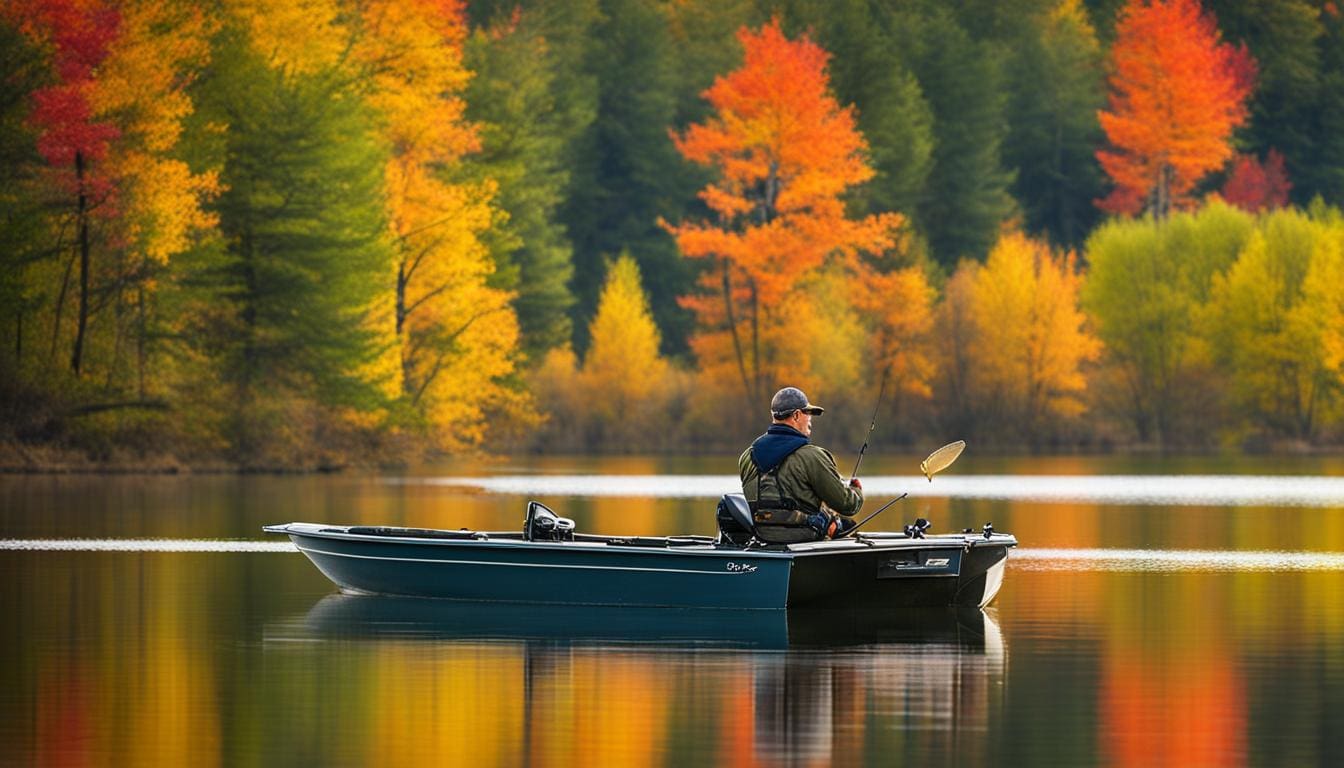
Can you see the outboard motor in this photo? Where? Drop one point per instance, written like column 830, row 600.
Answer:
column 541, row 524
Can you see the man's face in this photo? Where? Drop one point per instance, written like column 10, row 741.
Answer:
column 802, row 422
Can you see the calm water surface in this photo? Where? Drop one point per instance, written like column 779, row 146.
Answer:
column 1159, row 612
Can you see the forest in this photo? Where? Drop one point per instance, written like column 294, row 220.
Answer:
column 322, row 233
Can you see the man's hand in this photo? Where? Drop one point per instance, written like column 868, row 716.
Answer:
column 854, row 483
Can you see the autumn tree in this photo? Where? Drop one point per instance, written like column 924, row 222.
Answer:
column 1272, row 321
column 1146, row 287
column 457, row 334
column 1176, row 94
column 22, row 217
column 624, row 376
column 785, row 152
column 74, row 141
column 1030, row 339
column 161, row 212
column 1255, row 186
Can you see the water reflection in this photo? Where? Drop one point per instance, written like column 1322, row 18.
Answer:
column 340, row 616
column 620, row 686
column 153, row 625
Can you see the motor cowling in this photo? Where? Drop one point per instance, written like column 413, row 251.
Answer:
column 544, row 525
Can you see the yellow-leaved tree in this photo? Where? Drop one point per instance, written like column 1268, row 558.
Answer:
column 626, row 382
column 1273, row 324
column 144, row 84
column 457, row 336
column 1030, row 341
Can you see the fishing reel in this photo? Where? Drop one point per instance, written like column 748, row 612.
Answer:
column 541, row 524
column 916, row 529
column 987, row 531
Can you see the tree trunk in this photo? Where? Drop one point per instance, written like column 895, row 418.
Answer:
column 732, row 328
column 77, row 355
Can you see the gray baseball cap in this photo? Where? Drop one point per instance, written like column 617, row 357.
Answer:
column 790, row 399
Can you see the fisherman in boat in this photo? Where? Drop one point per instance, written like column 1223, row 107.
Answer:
column 791, row 483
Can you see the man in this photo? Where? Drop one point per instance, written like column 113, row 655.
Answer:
column 792, row 483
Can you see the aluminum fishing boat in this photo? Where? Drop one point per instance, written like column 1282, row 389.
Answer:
column 548, row 562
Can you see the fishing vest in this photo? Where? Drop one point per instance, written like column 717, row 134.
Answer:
column 779, row 517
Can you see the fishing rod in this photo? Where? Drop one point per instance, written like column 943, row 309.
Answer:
column 882, row 389
column 936, row 462
column 879, row 511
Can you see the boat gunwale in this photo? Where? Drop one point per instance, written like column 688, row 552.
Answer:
column 866, row 542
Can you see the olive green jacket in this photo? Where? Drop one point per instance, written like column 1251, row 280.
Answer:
column 808, row 475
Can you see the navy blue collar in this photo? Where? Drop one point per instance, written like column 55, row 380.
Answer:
column 777, row 444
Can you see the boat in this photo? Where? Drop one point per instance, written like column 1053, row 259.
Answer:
column 748, row 565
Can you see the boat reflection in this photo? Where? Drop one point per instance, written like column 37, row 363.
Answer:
column 821, row 687
column 408, row 618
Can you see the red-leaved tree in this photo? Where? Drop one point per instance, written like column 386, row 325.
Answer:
column 69, row 138
column 1254, row 186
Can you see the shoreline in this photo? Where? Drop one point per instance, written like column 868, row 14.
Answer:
column 18, row 460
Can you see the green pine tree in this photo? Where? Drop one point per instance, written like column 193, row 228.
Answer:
column 305, row 253
column 527, row 136
column 966, row 197
column 629, row 174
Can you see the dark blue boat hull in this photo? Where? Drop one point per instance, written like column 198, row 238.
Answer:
column 880, row 572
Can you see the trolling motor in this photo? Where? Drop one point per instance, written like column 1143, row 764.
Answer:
column 541, row 524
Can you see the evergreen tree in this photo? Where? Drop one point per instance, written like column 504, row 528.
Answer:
column 628, row 175
column 966, row 197
column 893, row 115
column 21, row 217
column 1285, row 37
column 531, row 106
column 305, row 253
column 1055, row 84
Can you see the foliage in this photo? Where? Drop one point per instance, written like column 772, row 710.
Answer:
column 306, row 257
column 785, row 152
column 527, row 135
column 966, row 198
column 1272, row 320
column 1029, row 342
column 1254, row 186
column 1144, row 291
column 456, row 334
column 625, row 379
column 1055, row 77
column 1288, row 40
column 626, row 175
column 1177, row 93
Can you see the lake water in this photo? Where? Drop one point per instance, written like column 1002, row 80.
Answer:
column 1159, row 612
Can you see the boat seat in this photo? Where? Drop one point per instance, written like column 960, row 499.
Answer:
column 734, row 518
column 738, row 527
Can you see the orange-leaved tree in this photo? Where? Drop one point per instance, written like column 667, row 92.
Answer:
column 1177, row 93
column 457, row 335
column 785, row 151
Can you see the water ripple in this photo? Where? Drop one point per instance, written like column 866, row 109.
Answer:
column 1166, row 490
column 1172, row 560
